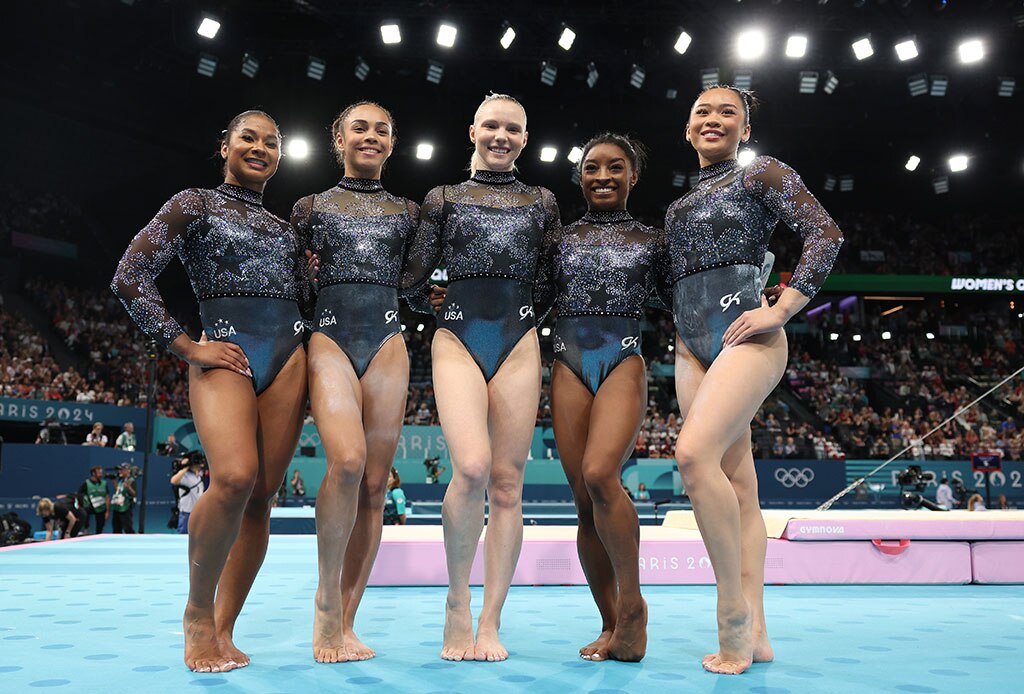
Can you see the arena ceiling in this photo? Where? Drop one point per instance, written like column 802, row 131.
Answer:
column 103, row 99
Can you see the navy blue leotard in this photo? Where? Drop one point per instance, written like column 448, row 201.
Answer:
column 245, row 267
column 488, row 232
column 606, row 268
column 362, row 234
column 718, row 236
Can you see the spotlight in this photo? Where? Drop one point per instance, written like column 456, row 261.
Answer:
column 709, row 77
column 808, row 82
column 419, row 327
column 886, row 335
column 403, row 327
column 671, row 93
column 548, row 74
column 636, row 76
column 671, row 347
column 957, row 162
column 207, row 65
column 830, row 183
column 971, row 51
column 750, row 44
column 545, row 331
column 939, row 85
column 362, row 69
column 508, row 37
column 297, row 148
column 575, row 155
column 930, row 336
column 1006, row 86
column 831, row 82
column 315, row 68
column 912, row 163
column 917, row 84
column 548, row 154
column 693, row 178
column 940, row 184
column 796, row 46
column 833, row 336
column 682, row 43
column 592, row 75
column 678, row 179
column 424, row 150
column 208, row 28
column 906, row 50
column 567, row 37
column 856, row 338
column 250, row 65
column 390, row 33
column 745, row 156
column 862, row 48
column 846, row 184
column 742, row 79
column 446, row 35
column 435, row 71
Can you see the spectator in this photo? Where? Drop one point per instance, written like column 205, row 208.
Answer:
column 96, row 437
column 976, row 503
column 95, row 495
column 298, row 486
column 394, row 500
column 123, row 500
column 126, row 439
column 641, row 493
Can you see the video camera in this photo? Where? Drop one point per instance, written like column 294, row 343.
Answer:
column 187, row 460
column 915, row 478
column 114, row 473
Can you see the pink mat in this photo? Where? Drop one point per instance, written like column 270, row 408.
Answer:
column 553, row 561
column 824, row 528
column 998, row 562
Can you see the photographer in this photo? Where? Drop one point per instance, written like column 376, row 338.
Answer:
column 58, row 515
column 123, row 500
column 95, row 495
column 434, row 470
column 188, row 483
column 126, row 439
column 52, row 432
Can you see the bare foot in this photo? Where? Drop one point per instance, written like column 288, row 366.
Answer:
column 598, row 645
column 228, row 648
column 458, row 632
column 202, row 653
column 488, row 645
column 629, row 640
column 328, row 636
column 356, row 649
column 735, row 644
column 763, row 652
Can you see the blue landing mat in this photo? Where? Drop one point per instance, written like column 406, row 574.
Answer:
column 105, row 615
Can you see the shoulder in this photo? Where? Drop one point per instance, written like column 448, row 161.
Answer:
column 767, row 168
column 188, row 201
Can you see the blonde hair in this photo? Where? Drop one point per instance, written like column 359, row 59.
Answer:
column 475, row 161
column 44, row 507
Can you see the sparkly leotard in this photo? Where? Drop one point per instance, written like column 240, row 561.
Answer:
column 718, row 236
column 362, row 234
column 606, row 267
column 488, row 231
column 245, row 268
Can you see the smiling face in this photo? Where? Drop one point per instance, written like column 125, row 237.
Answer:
column 251, row 151
column 606, row 177
column 717, row 125
column 499, row 133
column 366, row 140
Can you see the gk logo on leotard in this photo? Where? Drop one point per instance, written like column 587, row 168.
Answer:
column 222, row 329
column 794, row 477
column 630, row 342
column 391, row 316
column 525, row 312
column 297, row 327
column 327, row 318
column 728, row 300
column 453, row 312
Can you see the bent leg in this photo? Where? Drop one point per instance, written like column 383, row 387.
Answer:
column 462, row 404
column 513, row 397
column 571, row 402
column 281, row 408
column 614, row 424
column 225, row 414
column 725, row 401
column 385, row 386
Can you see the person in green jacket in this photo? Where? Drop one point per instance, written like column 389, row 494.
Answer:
column 95, row 496
column 123, row 501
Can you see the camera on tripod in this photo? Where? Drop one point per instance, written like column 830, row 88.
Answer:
column 912, row 482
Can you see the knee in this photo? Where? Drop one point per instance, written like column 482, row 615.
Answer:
column 347, row 469
column 689, row 466
column 234, row 485
column 505, row 493
column 472, row 475
column 601, row 481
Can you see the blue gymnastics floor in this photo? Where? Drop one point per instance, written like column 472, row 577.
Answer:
column 105, row 615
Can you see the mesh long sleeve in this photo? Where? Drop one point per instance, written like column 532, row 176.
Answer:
column 423, row 253
column 544, row 288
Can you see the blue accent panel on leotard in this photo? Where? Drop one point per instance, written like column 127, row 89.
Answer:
column 706, row 303
column 360, row 318
column 592, row 346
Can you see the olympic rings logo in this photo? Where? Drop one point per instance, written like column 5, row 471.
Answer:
column 794, row 477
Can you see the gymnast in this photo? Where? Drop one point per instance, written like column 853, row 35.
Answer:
column 247, row 373
column 731, row 349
